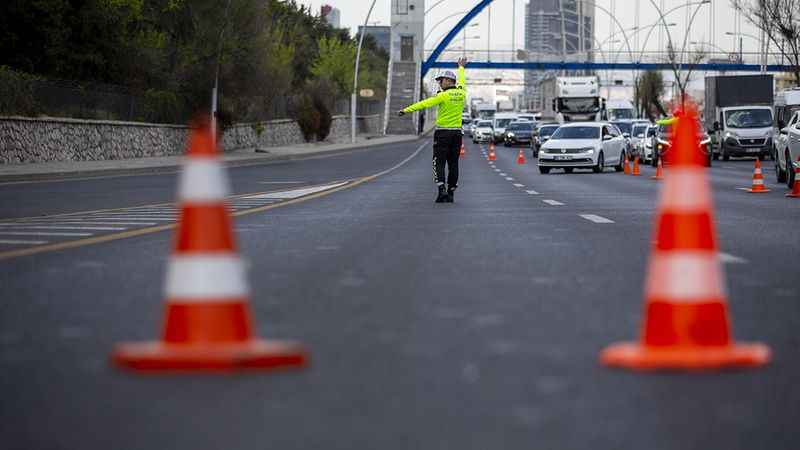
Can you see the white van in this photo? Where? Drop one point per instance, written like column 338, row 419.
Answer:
column 500, row 121
column 787, row 103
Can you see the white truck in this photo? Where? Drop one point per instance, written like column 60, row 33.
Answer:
column 620, row 110
column 738, row 111
column 573, row 99
column 484, row 111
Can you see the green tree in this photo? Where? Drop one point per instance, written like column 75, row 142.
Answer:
column 336, row 62
column 649, row 90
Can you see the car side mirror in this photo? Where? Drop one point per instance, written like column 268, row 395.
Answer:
column 785, row 130
column 716, row 126
column 607, row 137
column 626, row 135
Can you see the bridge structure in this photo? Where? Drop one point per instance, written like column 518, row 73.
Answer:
column 634, row 63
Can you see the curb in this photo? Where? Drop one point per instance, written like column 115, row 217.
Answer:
column 172, row 168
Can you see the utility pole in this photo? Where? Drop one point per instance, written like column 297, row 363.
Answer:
column 215, row 89
column 354, row 96
column 489, row 36
column 513, row 30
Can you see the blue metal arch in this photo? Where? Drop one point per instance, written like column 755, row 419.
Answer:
column 429, row 63
column 557, row 65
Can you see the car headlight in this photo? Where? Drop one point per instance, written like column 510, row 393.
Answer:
column 729, row 134
column 588, row 150
column 510, row 134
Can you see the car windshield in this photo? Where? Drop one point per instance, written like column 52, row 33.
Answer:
column 624, row 127
column 639, row 129
column 501, row 123
column 578, row 105
column 519, row 126
column 466, row 121
column 577, row 133
column 547, row 131
column 651, row 131
column 485, row 124
column 748, row 118
column 621, row 113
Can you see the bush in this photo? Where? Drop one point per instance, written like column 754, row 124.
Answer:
column 307, row 116
column 17, row 93
column 322, row 92
column 162, row 107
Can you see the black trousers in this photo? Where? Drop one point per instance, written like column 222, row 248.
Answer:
column 446, row 149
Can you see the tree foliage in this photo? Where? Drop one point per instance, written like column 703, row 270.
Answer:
column 649, row 91
column 168, row 51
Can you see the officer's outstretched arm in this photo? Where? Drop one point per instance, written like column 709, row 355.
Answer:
column 427, row 103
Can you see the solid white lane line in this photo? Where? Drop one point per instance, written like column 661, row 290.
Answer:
column 553, row 202
column 532, row 192
column 18, row 242
column 60, row 227
column 73, row 222
column 281, row 182
column 40, row 233
column 727, row 258
column 595, row 218
column 519, row 185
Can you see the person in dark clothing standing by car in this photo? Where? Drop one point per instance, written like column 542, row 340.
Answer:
column 448, row 136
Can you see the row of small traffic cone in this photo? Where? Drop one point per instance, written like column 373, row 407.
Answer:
column 758, row 187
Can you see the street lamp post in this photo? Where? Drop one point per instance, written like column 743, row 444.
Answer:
column 215, row 89
column 354, row 96
column 464, row 54
column 762, row 52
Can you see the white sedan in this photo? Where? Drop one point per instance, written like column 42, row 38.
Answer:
column 585, row 145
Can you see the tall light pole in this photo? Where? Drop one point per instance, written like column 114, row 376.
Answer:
column 762, row 63
column 489, row 36
column 354, row 96
column 215, row 89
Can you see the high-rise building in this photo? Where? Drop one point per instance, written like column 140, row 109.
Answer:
column 331, row 15
column 553, row 31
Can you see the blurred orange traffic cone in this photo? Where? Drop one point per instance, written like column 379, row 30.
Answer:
column 758, row 180
column 796, row 185
column 659, row 171
column 686, row 316
column 208, row 324
column 635, row 166
column 521, row 157
column 492, row 155
column 627, row 166
column 463, row 152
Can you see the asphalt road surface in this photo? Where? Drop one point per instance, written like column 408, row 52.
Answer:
column 473, row 325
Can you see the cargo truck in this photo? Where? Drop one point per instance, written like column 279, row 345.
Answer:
column 572, row 99
column 738, row 112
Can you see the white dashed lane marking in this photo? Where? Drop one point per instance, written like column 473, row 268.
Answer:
column 553, row 202
column 727, row 258
column 532, row 192
column 509, row 179
column 518, row 185
column 595, row 218
column 503, row 174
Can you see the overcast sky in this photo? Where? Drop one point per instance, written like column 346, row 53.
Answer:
column 353, row 13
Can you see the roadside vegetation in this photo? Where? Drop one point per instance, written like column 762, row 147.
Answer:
column 275, row 59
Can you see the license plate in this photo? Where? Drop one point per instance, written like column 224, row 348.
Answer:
column 563, row 158
column 753, row 150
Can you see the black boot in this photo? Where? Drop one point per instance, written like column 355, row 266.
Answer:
column 442, row 196
column 450, row 195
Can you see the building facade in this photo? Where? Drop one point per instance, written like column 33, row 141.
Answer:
column 556, row 30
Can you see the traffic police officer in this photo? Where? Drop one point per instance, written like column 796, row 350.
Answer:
column 448, row 136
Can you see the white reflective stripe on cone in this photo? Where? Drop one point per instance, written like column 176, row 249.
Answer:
column 685, row 276
column 686, row 190
column 202, row 180
column 758, row 181
column 206, row 277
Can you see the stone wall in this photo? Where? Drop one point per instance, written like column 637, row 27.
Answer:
column 30, row 140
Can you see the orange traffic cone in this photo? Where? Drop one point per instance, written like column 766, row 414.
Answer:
column 758, row 180
column 492, row 155
column 463, row 152
column 627, row 165
column 659, row 171
column 636, row 166
column 686, row 315
column 796, row 185
column 208, row 324
column 521, row 157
